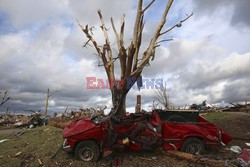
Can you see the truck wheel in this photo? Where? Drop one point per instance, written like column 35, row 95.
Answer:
column 87, row 151
column 193, row 145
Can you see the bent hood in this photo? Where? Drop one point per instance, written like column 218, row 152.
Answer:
column 78, row 126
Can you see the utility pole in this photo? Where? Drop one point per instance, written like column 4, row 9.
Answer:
column 7, row 112
column 46, row 103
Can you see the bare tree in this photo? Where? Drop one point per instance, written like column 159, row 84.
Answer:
column 162, row 96
column 131, row 63
column 5, row 97
column 154, row 105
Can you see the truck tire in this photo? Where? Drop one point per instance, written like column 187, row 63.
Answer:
column 193, row 145
column 87, row 151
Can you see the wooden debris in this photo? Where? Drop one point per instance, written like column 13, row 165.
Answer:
column 239, row 107
column 4, row 140
column 19, row 153
column 40, row 162
column 198, row 159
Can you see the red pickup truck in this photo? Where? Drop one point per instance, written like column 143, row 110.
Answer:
column 89, row 138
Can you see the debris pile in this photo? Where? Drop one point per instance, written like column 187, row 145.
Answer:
column 203, row 107
column 238, row 108
column 14, row 121
column 65, row 118
column 88, row 112
column 37, row 118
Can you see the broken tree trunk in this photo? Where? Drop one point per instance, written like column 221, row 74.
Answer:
column 119, row 102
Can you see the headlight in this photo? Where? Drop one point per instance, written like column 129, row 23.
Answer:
column 96, row 120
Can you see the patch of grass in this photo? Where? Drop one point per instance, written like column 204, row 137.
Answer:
column 217, row 116
column 38, row 143
column 43, row 142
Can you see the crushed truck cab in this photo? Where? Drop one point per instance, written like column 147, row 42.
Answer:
column 89, row 138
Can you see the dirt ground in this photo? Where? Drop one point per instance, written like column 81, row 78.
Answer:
column 237, row 125
column 41, row 144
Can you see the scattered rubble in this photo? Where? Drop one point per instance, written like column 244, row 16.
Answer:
column 236, row 149
column 203, row 107
column 244, row 158
column 16, row 121
column 63, row 119
column 238, row 107
column 38, row 119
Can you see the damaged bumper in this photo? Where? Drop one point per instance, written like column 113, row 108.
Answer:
column 66, row 147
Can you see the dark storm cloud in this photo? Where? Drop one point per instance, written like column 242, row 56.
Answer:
column 236, row 91
column 72, row 97
column 225, row 80
column 231, row 68
column 240, row 13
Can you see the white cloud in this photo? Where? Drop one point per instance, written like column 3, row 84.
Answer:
column 29, row 12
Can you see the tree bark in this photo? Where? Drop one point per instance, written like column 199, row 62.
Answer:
column 122, row 107
column 119, row 101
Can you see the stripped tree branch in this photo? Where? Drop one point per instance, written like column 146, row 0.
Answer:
column 86, row 43
column 165, row 40
column 122, row 51
column 148, row 6
column 114, row 59
column 102, row 53
column 122, row 30
column 148, row 53
column 110, row 65
column 5, row 98
column 86, row 32
column 177, row 25
column 116, row 34
column 138, row 43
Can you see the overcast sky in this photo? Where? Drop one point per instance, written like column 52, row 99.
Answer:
column 41, row 47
